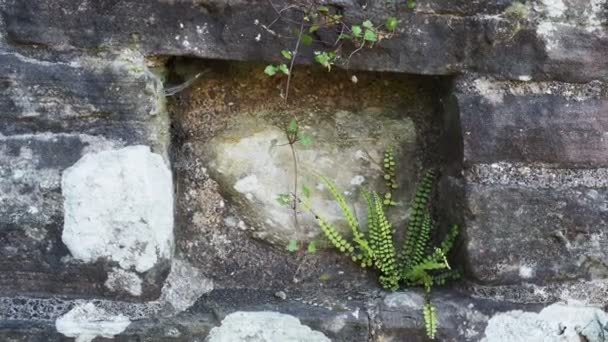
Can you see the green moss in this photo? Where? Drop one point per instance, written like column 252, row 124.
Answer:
column 517, row 10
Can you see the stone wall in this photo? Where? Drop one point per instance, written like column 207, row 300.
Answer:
column 126, row 214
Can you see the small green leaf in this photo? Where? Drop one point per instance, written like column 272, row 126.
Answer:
column 411, row 4
column 391, row 23
column 313, row 28
column 305, row 191
column 345, row 36
column 326, row 59
column 270, row 70
column 305, row 140
column 283, row 199
column 293, row 126
column 357, row 31
column 292, row 246
column 306, row 40
column 324, row 277
column 368, row 24
column 323, row 9
column 286, row 54
column 370, row 36
column 312, row 247
column 283, row 68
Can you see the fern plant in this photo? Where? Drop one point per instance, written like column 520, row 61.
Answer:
column 418, row 263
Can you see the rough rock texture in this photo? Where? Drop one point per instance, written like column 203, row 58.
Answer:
column 519, row 137
column 252, row 163
column 263, row 326
column 54, row 109
column 232, row 105
column 183, row 286
column 539, row 40
column 534, row 156
column 118, row 205
column 85, row 322
column 557, row 322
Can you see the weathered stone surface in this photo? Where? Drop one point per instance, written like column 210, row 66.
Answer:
column 119, row 205
column 557, row 322
column 554, row 229
column 215, row 235
column 113, row 95
column 54, row 108
column 263, row 326
column 253, row 165
column 85, row 322
column 520, row 121
column 183, row 286
column 539, row 39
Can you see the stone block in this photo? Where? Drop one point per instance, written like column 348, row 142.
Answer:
column 535, row 224
column 548, row 122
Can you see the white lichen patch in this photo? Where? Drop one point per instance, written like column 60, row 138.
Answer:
column 119, row 205
column 554, row 8
column 264, row 326
column 526, row 272
column 184, row 285
column 120, row 280
column 557, row 322
column 86, row 322
column 489, row 90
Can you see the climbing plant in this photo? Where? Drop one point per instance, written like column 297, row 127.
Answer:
column 314, row 17
column 418, row 262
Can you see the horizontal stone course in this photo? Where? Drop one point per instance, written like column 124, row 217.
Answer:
column 546, row 122
column 438, row 37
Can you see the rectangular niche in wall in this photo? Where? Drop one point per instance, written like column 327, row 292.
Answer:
column 234, row 164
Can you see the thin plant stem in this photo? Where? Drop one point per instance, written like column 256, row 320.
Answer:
column 293, row 60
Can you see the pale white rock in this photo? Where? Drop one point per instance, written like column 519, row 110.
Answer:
column 255, row 166
column 184, row 285
column 263, row 326
column 557, row 322
column 119, row 279
column 86, row 321
column 119, row 205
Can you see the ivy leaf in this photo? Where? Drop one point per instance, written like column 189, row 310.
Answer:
column 323, row 9
column 292, row 246
column 283, row 68
column 370, row 36
column 286, row 54
column 306, row 39
column 270, row 70
column 305, row 191
column 283, row 199
column 368, row 24
column 312, row 247
column 326, row 59
column 391, row 23
column 357, row 31
column 411, row 4
column 305, row 140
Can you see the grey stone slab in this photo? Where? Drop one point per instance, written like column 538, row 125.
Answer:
column 519, row 121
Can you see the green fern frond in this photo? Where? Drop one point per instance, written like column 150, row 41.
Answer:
column 351, row 219
column 450, row 239
column 419, row 212
column 334, row 236
column 390, row 176
column 385, row 255
column 430, row 319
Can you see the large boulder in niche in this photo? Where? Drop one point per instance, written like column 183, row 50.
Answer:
column 119, row 205
column 254, row 165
